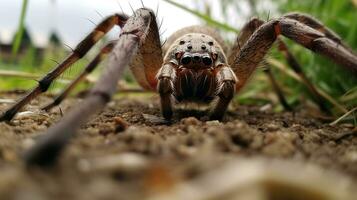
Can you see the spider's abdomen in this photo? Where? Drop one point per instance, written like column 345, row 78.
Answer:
column 195, row 85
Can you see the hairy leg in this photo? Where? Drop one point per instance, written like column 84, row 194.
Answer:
column 249, row 28
column 82, row 48
column 148, row 60
column 252, row 53
column 87, row 70
column 246, row 32
column 315, row 24
column 133, row 34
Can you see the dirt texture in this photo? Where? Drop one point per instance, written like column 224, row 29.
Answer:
column 130, row 152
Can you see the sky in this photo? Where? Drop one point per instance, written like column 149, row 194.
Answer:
column 72, row 20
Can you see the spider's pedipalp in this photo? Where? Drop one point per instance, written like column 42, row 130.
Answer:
column 226, row 90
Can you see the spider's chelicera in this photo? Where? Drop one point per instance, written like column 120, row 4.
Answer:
column 193, row 65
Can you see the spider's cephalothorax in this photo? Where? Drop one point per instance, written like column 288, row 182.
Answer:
column 196, row 59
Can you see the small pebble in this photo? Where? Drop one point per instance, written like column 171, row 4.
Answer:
column 128, row 162
column 267, row 107
column 120, row 124
column 190, row 121
column 155, row 119
column 213, row 123
column 272, row 127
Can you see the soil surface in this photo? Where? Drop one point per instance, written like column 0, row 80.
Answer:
column 130, row 152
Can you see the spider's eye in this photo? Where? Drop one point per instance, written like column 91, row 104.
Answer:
column 203, row 47
column 182, row 42
column 210, row 43
column 186, row 60
column 207, row 60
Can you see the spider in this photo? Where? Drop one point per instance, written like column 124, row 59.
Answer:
column 192, row 66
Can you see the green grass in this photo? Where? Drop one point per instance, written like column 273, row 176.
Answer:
column 339, row 16
column 20, row 30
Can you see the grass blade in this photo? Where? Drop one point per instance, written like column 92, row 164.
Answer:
column 206, row 18
column 20, row 30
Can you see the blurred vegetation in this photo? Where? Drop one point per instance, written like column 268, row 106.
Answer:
column 339, row 15
column 21, row 28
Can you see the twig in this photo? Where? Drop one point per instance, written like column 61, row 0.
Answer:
column 17, row 74
column 343, row 116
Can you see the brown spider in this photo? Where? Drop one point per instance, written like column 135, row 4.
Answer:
column 194, row 66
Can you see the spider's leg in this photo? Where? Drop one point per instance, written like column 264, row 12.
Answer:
column 227, row 81
column 87, row 70
column 253, row 52
column 134, row 33
column 82, row 48
column 246, row 32
column 147, row 62
column 165, row 87
column 324, row 44
column 244, row 35
column 317, row 25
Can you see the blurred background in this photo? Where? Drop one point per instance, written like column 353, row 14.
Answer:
column 37, row 34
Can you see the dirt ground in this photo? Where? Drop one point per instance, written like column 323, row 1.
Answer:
column 129, row 152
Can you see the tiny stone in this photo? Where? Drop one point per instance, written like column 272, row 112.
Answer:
column 272, row 127
column 120, row 124
column 332, row 143
column 213, row 123
column 265, row 108
column 190, row 121
column 155, row 119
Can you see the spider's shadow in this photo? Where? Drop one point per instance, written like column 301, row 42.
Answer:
column 181, row 113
